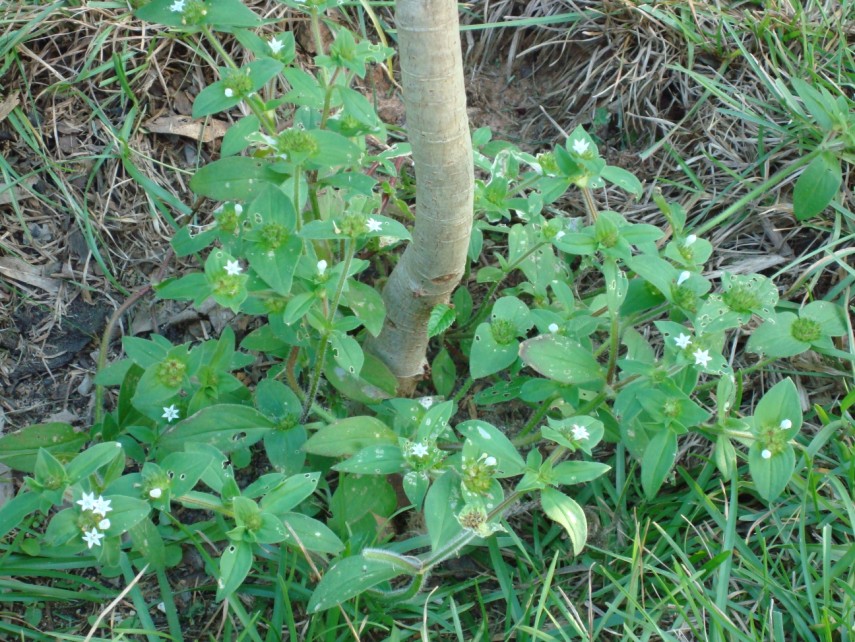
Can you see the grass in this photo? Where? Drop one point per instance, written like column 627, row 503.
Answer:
column 710, row 109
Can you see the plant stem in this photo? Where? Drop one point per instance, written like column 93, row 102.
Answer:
column 324, row 341
column 590, row 205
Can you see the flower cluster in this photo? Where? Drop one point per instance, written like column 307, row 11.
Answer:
column 95, row 510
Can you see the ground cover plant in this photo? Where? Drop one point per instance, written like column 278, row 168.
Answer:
column 633, row 426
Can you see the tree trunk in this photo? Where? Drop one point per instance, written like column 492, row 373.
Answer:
column 438, row 128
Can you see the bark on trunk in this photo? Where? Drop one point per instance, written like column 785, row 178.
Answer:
column 438, row 128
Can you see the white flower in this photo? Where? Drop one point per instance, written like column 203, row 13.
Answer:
column 490, row 461
column 426, row 402
column 374, row 225
column 275, row 45
column 786, row 424
column 229, row 92
column 177, row 6
column 322, row 267
column 93, row 538
column 702, row 357
column 233, row 268
column 684, row 276
column 691, row 238
column 560, row 234
column 87, row 502
column 101, row 506
column 238, row 209
column 580, row 146
column 580, row 432
column 419, row 450
column 766, row 454
column 553, row 328
column 170, row 413
column 683, row 341
column 104, row 524
column 155, row 493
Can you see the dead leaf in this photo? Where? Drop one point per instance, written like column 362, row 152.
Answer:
column 205, row 132
column 23, row 272
column 8, row 104
column 17, row 191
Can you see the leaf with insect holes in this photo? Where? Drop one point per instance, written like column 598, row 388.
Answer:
column 347, row 352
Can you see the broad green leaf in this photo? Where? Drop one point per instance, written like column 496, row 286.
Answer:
column 623, row 179
column 235, row 564
column 442, row 504
column 568, row 514
column 779, row 411
column 580, row 432
column 560, row 358
column 212, row 99
column 348, row 578
column 487, row 355
column 92, row 459
column 443, row 373
column 774, row 338
column 13, row 512
column 19, row 450
column 349, row 436
column 235, row 139
column 311, row 533
column 361, row 506
column 489, row 439
column 290, row 493
column 577, row 472
column 237, row 178
column 62, row 528
column 224, row 426
column 147, row 541
column 367, row 304
column 384, row 459
column 127, row 512
column 347, row 353
column 817, row 186
column 771, row 473
column 184, row 470
column 374, row 383
column 658, row 459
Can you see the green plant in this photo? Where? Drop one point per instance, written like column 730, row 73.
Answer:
column 574, row 300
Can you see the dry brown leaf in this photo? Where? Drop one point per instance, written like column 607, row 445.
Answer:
column 8, row 104
column 17, row 191
column 205, row 132
column 23, row 272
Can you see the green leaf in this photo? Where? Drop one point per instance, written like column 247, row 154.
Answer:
column 384, row 459
column 349, row 436
column 235, row 564
column 347, row 353
column 487, row 356
column 578, row 472
column 13, row 512
column 658, row 459
column 92, row 459
column 561, row 359
column 580, row 432
column 360, row 507
column 489, row 439
column 367, row 304
column 147, row 541
column 212, row 99
column 623, row 179
column 62, row 528
column 235, row 139
column 779, row 404
column 568, row 514
column 127, row 512
column 818, row 184
column 348, row 578
column 224, row 426
column 441, row 318
column 442, row 504
column 184, row 470
column 774, row 338
column 313, row 535
column 443, row 373
column 19, row 450
column 374, row 383
column 771, row 474
column 289, row 493
column 237, row 178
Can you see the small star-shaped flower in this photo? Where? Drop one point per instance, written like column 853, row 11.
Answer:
column 580, row 432
column 683, row 341
column 87, row 502
column 102, row 506
column 170, row 413
column 233, row 268
column 419, row 450
column 177, row 6
column 702, row 357
column 766, row 454
column 580, row 146
column 93, row 538
column 275, row 45
column 374, row 225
